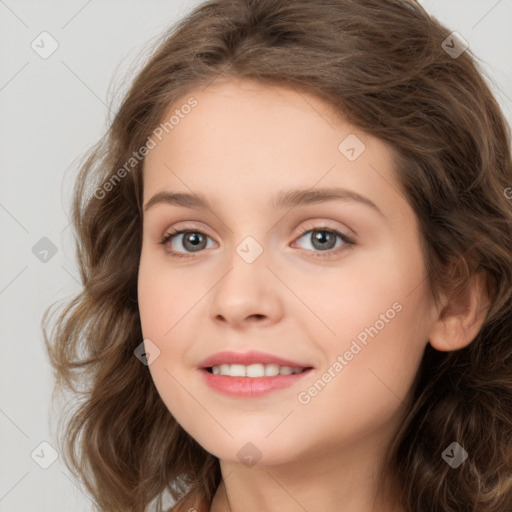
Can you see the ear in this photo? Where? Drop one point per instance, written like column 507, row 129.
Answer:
column 461, row 317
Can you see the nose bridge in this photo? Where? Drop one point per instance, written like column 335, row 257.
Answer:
column 245, row 289
column 250, row 249
column 248, row 239
column 247, row 264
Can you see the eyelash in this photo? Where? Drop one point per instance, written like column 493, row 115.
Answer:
column 318, row 254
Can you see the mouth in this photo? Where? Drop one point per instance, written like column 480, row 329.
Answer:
column 254, row 371
column 247, row 386
column 251, row 374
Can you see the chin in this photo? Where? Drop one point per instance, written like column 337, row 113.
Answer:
column 250, row 449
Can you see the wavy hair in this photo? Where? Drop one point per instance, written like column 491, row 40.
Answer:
column 381, row 64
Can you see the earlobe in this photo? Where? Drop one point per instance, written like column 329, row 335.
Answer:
column 461, row 318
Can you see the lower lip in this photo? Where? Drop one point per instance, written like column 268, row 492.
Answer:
column 251, row 386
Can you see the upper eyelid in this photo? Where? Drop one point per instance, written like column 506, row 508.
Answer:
column 306, row 225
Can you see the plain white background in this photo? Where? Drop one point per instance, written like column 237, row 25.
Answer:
column 53, row 110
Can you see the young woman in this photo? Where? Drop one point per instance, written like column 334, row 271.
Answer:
column 295, row 243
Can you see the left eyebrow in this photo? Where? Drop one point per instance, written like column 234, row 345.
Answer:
column 299, row 197
column 283, row 199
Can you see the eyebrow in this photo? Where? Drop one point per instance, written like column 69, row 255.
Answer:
column 283, row 199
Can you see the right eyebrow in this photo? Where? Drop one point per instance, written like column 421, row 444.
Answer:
column 194, row 201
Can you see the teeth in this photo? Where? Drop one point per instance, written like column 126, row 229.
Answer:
column 254, row 370
column 236, row 370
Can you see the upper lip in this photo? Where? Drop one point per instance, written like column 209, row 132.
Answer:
column 247, row 358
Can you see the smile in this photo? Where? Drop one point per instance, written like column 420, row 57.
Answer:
column 252, row 386
column 253, row 370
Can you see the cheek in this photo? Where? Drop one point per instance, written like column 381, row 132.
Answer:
column 368, row 374
column 377, row 312
column 391, row 328
column 167, row 300
column 163, row 303
column 165, row 296
column 365, row 285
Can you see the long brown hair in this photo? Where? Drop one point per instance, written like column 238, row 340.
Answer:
column 383, row 66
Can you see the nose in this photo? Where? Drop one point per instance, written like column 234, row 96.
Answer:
column 248, row 293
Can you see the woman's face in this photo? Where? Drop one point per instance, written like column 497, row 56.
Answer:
column 265, row 281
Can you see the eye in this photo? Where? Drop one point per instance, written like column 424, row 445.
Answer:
column 193, row 241
column 323, row 240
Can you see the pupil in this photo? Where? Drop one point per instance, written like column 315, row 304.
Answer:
column 192, row 236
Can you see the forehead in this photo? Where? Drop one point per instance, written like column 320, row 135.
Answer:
column 244, row 140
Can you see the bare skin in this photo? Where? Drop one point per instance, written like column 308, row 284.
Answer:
column 320, row 450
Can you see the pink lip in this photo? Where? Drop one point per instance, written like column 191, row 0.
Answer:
column 249, row 386
column 247, row 358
